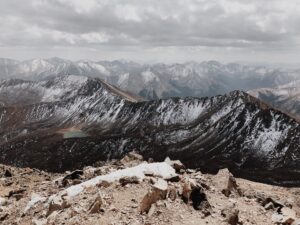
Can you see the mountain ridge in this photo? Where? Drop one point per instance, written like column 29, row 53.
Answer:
column 285, row 98
column 234, row 130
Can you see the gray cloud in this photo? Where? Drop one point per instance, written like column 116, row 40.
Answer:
column 238, row 27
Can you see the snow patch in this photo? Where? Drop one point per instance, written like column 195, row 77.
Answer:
column 162, row 170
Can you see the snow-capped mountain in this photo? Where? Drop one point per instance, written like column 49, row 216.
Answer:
column 76, row 121
column 156, row 80
column 284, row 97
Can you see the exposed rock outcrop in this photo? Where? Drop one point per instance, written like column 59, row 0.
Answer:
column 101, row 198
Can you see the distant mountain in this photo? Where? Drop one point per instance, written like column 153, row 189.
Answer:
column 156, row 80
column 75, row 121
column 284, row 97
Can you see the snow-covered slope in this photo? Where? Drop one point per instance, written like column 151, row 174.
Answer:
column 284, row 97
column 71, row 125
column 156, row 80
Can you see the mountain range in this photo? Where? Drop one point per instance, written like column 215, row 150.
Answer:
column 66, row 122
column 284, row 97
column 154, row 81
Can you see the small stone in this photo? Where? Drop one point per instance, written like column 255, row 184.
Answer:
column 190, row 171
column 89, row 172
column 74, row 175
column 104, row 184
column 135, row 156
column 269, row 206
column 7, row 173
column 3, row 216
column 176, row 164
column 172, row 194
column 151, row 210
column 186, row 192
column 3, row 202
column 17, row 194
column 39, row 221
column 266, row 201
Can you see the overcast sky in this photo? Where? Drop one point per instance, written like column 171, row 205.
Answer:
column 152, row 30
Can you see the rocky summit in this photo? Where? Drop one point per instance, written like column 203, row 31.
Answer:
column 133, row 191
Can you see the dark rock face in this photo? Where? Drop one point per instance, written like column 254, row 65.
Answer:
column 76, row 123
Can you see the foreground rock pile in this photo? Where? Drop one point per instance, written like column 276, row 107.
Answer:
column 130, row 191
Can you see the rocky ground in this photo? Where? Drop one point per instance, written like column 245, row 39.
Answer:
column 131, row 191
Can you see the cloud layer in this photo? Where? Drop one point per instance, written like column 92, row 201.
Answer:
column 268, row 28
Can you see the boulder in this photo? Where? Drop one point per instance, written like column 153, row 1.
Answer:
column 158, row 192
column 96, row 205
column 232, row 187
column 57, row 203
